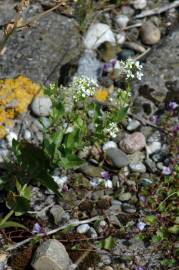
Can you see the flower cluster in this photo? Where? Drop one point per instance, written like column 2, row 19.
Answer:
column 128, row 69
column 83, row 87
column 112, row 129
column 15, row 95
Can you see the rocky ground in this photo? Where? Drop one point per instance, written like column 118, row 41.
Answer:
column 111, row 206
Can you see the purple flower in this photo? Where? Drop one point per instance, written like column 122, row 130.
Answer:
column 155, row 119
column 172, row 105
column 113, row 62
column 36, row 228
column 142, row 198
column 139, row 268
column 107, row 67
column 166, row 170
column 141, row 225
column 175, row 130
column 105, row 174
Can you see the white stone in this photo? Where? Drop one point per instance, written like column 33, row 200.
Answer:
column 121, row 38
column 122, row 20
column 97, row 34
column 137, row 167
column 153, row 148
column 27, row 134
column 51, row 254
column 108, row 145
column 10, row 137
column 108, row 184
column 84, row 228
column 140, row 4
column 60, row 180
column 41, row 106
column 133, row 124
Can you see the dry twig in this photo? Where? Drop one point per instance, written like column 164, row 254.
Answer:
column 158, row 10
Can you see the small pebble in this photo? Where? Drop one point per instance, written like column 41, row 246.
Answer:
column 120, row 38
column 41, row 106
column 133, row 142
column 153, row 148
column 122, row 20
column 137, row 167
column 133, row 124
column 27, row 135
column 149, row 33
column 125, row 54
column 108, row 145
column 140, row 4
column 82, row 229
column 128, row 208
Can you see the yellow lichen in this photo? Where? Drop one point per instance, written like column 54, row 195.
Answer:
column 101, row 95
column 15, row 96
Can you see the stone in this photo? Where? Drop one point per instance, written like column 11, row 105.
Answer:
column 155, row 137
column 41, row 106
column 89, row 65
column 82, row 229
column 119, row 158
column 122, row 20
column 127, row 10
column 27, row 135
column 10, row 137
column 91, row 170
column 57, row 212
column 97, row 34
column 51, row 254
column 132, row 125
column 150, row 164
column 39, row 52
column 3, row 261
column 137, row 167
column 125, row 196
column 92, row 233
column 128, row 208
column 120, row 38
column 153, row 148
column 146, row 181
column 136, row 157
column 125, row 54
column 149, row 33
column 133, row 142
column 108, row 145
column 140, row 4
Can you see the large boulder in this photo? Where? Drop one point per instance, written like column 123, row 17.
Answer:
column 40, row 51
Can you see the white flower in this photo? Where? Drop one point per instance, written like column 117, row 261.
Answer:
column 112, row 129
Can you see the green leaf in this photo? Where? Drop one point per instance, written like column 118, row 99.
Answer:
column 71, row 161
column 108, row 243
column 150, row 220
column 174, row 229
column 48, row 182
column 9, row 224
column 22, row 205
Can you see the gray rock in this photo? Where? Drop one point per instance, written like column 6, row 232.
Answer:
column 122, row 20
column 149, row 33
column 40, row 51
column 137, row 167
column 133, row 124
column 89, row 65
column 41, row 106
column 128, row 208
column 136, row 157
column 120, row 38
column 150, row 165
column 118, row 157
column 57, row 212
column 155, row 137
column 127, row 10
column 153, row 148
column 27, row 135
column 51, row 254
column 146, row 182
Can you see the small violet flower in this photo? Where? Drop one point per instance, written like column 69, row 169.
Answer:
column 139, row 268
column 175, row 130
column 105, row 175
column 172, row 105
column 141, row 225
column 142, row 198
column 36, row 228
column 166, row 170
